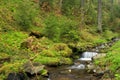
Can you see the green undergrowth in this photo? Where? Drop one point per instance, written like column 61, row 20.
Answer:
column 61, row 29
column 47, row 52
column 113, row 56
column 112, row 60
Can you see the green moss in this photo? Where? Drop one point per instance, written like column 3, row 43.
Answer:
column 12, row 38
column 10, row 67
column 61, row 49
column 53, row 60
column 47, row 60
column 48, row 53
column 65, row 61
column 10, row 41
column 44, row 72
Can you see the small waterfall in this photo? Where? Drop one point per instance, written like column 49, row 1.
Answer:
column 87, row 56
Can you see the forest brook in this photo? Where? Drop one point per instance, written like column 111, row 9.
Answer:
column 59, row 40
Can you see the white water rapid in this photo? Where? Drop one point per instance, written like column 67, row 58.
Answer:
column 86, row 56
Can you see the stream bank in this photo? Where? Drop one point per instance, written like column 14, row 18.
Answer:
column 84, row 68
column 77, row 71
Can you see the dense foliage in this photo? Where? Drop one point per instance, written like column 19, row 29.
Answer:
column 61, row 29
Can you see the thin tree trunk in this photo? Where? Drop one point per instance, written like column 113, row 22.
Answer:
column 82, row 3
column 60, row 5
column 100, row 16
column 82, row 11
column 112, row 16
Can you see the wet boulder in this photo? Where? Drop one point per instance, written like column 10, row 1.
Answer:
column 16, row 76
column 91, row 66
column 100, row 73
column 33, row 68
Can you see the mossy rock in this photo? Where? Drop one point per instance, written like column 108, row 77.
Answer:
column 53, row 61
column 61, row 49
column 47, row 60
column 65, row 61
column 48, row 53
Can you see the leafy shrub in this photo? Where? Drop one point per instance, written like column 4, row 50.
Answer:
column 109, row 34
column 61, row 29
column 25, row 14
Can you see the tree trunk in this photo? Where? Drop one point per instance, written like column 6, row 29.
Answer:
column 60, row 5
column 100, row 16
column 112, row 16
column 82, row 12
column 82, row 3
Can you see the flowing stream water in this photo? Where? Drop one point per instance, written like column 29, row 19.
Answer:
column 77, row 71
column 74, row 72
